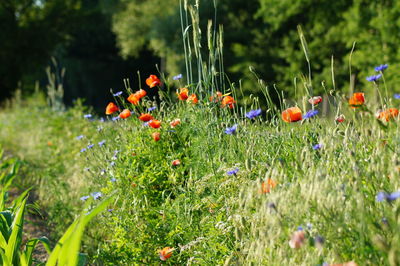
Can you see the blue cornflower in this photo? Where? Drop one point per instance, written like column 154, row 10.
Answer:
column 374, row 78
column 117, row 93
column 90, row 146
column 233, row 172
column 79, row 137
column 87, row 116
column 253, row 113
column 317, row 146
column 231, row 130
column 110, row 210
column 96, row 195
column 83, row 150
column 115, row 118
column 388, row 197
column 381, row 67
column 300, row 228
column 396, row 96
column 319, row 240
column 152, row 108
column 113, row 180
column 310, row 114
column 84, row 198
column 145, row 124
column 381, row 196
column 179, row 76
column 102, row 119
column 101, row 143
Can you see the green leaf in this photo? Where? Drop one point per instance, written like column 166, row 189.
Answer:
column 16, row 234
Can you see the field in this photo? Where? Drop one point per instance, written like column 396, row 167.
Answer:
column 192, row 170
column 234, row 197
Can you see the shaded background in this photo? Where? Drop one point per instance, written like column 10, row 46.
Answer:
column 101, row 42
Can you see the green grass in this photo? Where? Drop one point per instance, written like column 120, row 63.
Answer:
column 206, row 215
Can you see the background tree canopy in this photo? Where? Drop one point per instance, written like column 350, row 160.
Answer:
column 101, row 42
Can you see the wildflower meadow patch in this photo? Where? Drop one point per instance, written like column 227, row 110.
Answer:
column 202, row 174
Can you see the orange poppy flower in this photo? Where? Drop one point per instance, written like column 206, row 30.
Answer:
column 388, row 114
column 357, row 99
column 153, row 81
column 111, row 108
column 134, row 99
column 183, row 94
column 175, row 122
column 266, row 186
column 125, row 114
column 315, row 100
column 176, row 162
column 146, row 117
column 141, row 93
column 228, row 100
column 292, row 114
column 217, row 98
column 156, row 136
column 193, row 98
column 165, row 253
column 154, row 123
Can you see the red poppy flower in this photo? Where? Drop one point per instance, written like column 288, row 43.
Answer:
column 388, row 114
column 134, row 99
column 153, row 81
column 357, row 100
column 111, row 108
column 340, row 119
column 125, row 114
column 292, row 114
column 228, row 100
column 154, row 123
column 193, row 99
column 146, row 117
column 175, row 122
column 217, row 98
column 176, row 162
column 165, row 253
column 183, row 94
column 156, row 136
column 315, row 100
column 141, row 93
column 266, row 186
column 298, row 239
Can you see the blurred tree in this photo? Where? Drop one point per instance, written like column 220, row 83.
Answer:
column 263, row 34
column 91, row 58
column 30, row 32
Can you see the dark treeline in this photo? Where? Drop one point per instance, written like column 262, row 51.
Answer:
column 100, row 42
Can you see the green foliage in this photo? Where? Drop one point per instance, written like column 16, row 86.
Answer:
column 67, row 249
column 205, row 213
column 32, row 29
column 263, row 34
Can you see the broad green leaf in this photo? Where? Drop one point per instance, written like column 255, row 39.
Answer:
column 16, row 233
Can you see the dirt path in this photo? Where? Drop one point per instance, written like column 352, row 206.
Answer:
column 35, row 225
